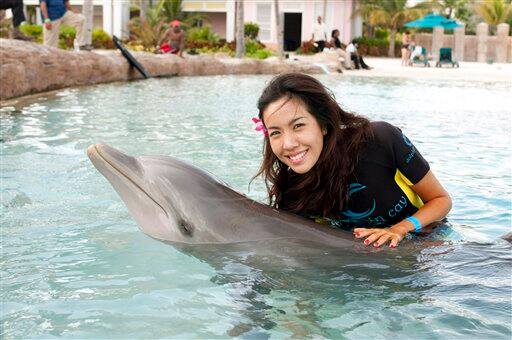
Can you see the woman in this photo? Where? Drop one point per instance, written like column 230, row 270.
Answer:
column 339, row 168
column 406, row 41
column 336, row 44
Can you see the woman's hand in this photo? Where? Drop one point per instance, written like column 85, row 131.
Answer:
column 380, row 236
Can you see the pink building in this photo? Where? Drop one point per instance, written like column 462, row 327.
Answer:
column 297, row 18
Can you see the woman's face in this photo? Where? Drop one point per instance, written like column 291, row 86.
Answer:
column 295, row 136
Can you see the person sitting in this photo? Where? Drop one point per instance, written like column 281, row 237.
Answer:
column 338, row 168
column 319, row 36
column 60, row 12
column 416, row 51
column 335, row 44
column 18, row 17
column 175, row 40
column 355, row 57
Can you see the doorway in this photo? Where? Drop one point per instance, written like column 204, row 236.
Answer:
column 292, row 31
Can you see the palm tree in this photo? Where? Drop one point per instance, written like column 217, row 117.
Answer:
column 391, row 14
column 279, row 29
column 495, row 12
column 448, row 8
column 88, row 12
column 240, row 38
column 169, row 10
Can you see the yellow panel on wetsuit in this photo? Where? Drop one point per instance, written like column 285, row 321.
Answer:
column 405, row 185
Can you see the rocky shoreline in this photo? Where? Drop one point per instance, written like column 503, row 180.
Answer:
column 28, row 68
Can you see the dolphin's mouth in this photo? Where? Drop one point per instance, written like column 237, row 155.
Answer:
column 94, row 152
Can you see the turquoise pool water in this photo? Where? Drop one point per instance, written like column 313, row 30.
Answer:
column 74, row 264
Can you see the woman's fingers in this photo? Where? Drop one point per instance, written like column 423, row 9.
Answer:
column 394, row 241
column 383, row 239
column 362, row 232
column 378, row 236
column 374, row 236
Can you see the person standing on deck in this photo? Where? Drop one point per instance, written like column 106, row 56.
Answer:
column 18, row 17
column 57, row 12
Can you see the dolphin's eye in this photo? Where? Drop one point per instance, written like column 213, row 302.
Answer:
column 185, row 228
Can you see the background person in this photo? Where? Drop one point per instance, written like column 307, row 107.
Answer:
column 406, row 54
column 57, row 12
column 175, row 39
column 335, row 43
column 18, row 17
column 333, row 166
column 319, row 34
column 417, row 52
column 355, row 57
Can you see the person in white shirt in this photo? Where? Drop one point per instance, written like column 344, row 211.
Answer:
column 416, row 52
column 355, row 57
column 319, row 35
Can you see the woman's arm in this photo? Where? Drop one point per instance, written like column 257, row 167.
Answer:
column 437, row 205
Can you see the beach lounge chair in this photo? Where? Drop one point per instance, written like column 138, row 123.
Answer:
column 422, row 59
column 445, row 58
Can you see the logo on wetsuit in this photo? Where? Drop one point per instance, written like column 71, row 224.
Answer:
column 412, row 151
column 363, row 218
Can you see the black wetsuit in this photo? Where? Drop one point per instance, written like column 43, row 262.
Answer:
column 380, row 193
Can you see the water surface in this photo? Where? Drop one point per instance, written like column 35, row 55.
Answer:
column 74, row 264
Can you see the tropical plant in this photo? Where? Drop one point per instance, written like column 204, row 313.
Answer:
column 251, row 30
column 169, row 10
column 391, row 14
column 494, row 12
column 101, row 39
column 202, row 34
column 147, row 35
column 448, row 8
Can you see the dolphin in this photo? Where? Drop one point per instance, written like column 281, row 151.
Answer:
column 177, row 202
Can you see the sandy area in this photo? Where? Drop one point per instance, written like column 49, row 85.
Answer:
column 472, row 71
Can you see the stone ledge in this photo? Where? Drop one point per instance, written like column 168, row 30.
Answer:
column 28, row 68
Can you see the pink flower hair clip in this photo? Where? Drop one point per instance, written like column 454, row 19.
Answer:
column 260, row 126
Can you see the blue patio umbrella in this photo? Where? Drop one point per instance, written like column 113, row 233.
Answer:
column 433, row 20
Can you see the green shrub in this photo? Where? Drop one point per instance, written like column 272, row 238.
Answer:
column 33, row 31
column 222, row 49
column 251, row 46
column 66, row 37
column 101, row 39
column 134, row 11
column 202, row 34
column 255, row 49
column 381, row 33
column 372, row 41
column 261, row 54
column 251, row 30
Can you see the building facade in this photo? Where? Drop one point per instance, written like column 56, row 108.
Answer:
column 297, row 17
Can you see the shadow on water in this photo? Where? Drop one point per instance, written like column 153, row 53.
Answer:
column 297, row 289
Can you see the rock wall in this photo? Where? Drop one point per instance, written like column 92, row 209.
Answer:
column 28, row 68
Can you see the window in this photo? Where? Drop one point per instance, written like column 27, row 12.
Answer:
column 263, row 17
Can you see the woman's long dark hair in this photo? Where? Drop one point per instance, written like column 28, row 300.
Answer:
column 323, row 190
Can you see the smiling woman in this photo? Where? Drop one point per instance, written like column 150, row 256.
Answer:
column 339, row 168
